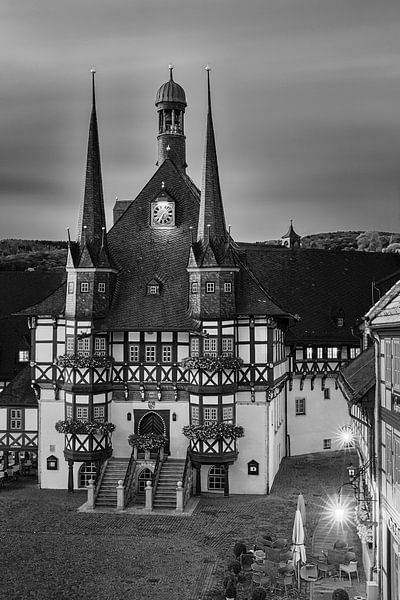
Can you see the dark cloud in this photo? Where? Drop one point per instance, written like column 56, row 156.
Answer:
column 305, row 99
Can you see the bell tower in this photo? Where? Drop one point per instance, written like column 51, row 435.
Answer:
column 171, row 104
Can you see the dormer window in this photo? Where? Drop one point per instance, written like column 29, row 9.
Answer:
column 153, row 289
column 23, row 356
column 228, row 287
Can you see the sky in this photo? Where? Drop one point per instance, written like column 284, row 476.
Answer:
column 306, row 107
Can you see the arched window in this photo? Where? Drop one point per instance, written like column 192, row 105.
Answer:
column 144, row 475
column 216, row 478
column 87, row 472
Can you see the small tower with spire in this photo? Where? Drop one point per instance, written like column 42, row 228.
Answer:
column 291, row 239
column 212, row 265
column 171, row 104
column 90, row 275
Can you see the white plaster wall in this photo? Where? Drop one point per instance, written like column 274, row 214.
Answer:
column 252, row 417
column 322, row 420
column 118, row 415
column 31, row 419
column 3, row 418
column 51, row 411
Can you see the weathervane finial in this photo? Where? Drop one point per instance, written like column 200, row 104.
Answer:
column 170, row 67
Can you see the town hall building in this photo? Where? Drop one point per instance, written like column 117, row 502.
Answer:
column 169, row 347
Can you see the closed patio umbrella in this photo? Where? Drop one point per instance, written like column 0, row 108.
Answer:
column 301, row 506
column 298, row 548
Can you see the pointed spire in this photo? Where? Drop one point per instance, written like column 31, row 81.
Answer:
column 92, row 217
column 211, row 225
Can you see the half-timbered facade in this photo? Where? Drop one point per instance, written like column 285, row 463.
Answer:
column 165, row 322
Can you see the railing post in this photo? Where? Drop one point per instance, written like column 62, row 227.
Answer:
column 90, row 494
column 149, row 496
column 120, row 495
column 179, row 497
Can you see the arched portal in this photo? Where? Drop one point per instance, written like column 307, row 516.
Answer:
column 152, row 422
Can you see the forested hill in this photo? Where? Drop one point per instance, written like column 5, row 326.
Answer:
column 364, row 241
column 41, row 255
column 49, row 255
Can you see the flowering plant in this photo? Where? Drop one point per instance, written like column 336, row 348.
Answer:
column 218, row 430
column 212, row 363
column 147, row 441
column 363, row 524
column 77, row 360
column 82, row 427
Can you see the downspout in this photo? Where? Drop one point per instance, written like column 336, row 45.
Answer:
column 376, row 567
column 267, row 441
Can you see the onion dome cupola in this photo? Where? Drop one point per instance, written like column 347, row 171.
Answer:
column 171, row 104
column 291, row 239
column 90, row 272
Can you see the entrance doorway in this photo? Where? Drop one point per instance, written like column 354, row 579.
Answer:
column 153, row 422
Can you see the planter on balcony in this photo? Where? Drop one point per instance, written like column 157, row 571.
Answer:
column 215, row 363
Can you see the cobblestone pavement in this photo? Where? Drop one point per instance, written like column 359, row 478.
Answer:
column 50, row 551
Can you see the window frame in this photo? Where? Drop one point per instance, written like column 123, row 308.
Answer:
column 211, row 410
column 194, row 287
column 210, row 287
column 150, row 348
column 166, row 353
column 84, row 287
column 327, row 444
column 16, row 416
column 208, row 342
column 227, row 287
column 300, row 406
column 101, row 287
column 23, row 356
column 134, row 351
column 100, row 340
column 80, row 410
column 216, row 479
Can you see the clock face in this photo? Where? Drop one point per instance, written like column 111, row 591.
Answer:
column 163, row 213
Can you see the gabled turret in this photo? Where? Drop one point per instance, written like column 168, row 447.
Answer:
column 90, row 273
column 291, row 239
column 212, row 263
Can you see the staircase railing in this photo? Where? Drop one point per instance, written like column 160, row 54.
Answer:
column 156, row 472
column 187, row 479
column 99, row 478
column 129, row 489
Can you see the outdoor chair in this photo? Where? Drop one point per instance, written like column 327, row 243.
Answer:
column 349, row 569
column 283, row 582
column 325, row 568
column 257, row 567
column 260, row 579
column 259, row 555
column 280, row 543
column 246, row 561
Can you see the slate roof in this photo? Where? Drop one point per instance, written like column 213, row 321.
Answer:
column 315, row 284
column 19, row 391
column 142, row 253
column 387, row 310
column 358, row 378
column 19, row 289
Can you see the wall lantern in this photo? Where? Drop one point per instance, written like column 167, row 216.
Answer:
column 52, row 463
column 351, row 471
column 253, row 468
column 174, row 416
column 129, row 416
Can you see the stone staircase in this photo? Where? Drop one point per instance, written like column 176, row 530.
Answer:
column 165, row 494
column 115, row 470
